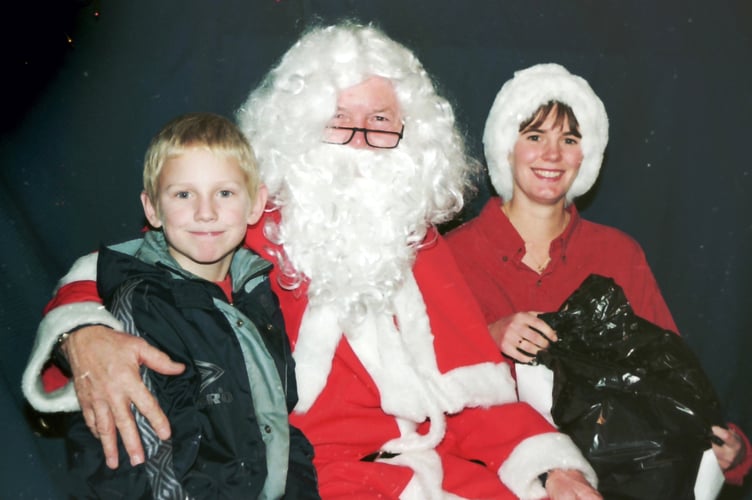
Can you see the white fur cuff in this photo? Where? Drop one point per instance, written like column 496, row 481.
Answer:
column 84, row 269
column 539, row 454
column 60, row 320
column 483, row 384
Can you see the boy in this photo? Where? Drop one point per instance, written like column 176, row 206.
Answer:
column 188, row 288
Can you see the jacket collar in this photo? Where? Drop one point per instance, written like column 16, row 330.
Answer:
column 152, row 250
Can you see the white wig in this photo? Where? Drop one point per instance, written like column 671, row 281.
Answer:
column 285, row 116
column 516, row 103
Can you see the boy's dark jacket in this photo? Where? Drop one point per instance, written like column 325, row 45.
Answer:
column 219, row 438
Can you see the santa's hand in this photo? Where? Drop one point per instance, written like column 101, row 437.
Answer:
column 105, row 367
column 568, row 484
column 732, row 451
column 521, row 335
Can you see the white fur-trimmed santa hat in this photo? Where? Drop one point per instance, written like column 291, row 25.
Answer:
column 516, row 102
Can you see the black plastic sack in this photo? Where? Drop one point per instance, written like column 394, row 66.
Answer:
column 632, row 396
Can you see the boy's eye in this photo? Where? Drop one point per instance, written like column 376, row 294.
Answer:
column 182, row 194
column 225, row 193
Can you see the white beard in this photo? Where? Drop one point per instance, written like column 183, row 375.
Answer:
column 351, row 221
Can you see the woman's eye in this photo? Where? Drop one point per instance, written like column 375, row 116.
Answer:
column 533, row 137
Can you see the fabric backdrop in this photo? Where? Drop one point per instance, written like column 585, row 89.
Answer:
column 675, row 77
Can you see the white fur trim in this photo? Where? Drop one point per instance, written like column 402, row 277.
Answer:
column 401, row 360
column 318, row 337
column 535, row 385
column 60, row 320
column 84, row 269
column 484, row 384
column 517, row 101
column 539, row 454
column 428, row 475
column 710, row 477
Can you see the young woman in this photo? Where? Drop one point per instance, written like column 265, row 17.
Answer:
column 529, row 249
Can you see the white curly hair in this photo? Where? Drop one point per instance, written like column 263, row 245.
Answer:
column 285, row 116
column 517, row 101
column 352, row 220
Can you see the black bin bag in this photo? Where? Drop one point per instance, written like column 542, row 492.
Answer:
column 631, row 395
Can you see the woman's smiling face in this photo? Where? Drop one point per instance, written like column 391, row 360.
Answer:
column 545, row 160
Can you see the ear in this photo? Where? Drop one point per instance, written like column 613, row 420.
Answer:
column 150, row 211
column 262, row 194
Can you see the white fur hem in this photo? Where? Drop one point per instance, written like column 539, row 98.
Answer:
column 60, row 320
column 427, row 476
column 539, row 454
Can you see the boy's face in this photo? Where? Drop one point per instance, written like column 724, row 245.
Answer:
column 204, row 210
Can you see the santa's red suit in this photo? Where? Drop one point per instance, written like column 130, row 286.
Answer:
column 448, row 416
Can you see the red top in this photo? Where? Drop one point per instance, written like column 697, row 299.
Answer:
column 489, row 252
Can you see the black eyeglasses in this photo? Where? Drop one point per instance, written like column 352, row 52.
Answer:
column 382, row 139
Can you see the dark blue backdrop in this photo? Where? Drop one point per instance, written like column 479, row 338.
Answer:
column 675, row 77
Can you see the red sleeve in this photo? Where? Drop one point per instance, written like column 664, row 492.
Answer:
column 642, row 290
column 736, row 475
column 53, row 378
column 454, row 313
column 477, row 435
column 77, row 291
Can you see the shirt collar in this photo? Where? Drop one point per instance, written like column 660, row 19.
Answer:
column 507, row 241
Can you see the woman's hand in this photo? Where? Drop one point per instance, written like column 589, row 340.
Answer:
column 567, row 484
column 105, row 367
column 732, row 452
column 521, row 335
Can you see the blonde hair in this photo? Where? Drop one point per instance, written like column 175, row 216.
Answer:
column 207, row 130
